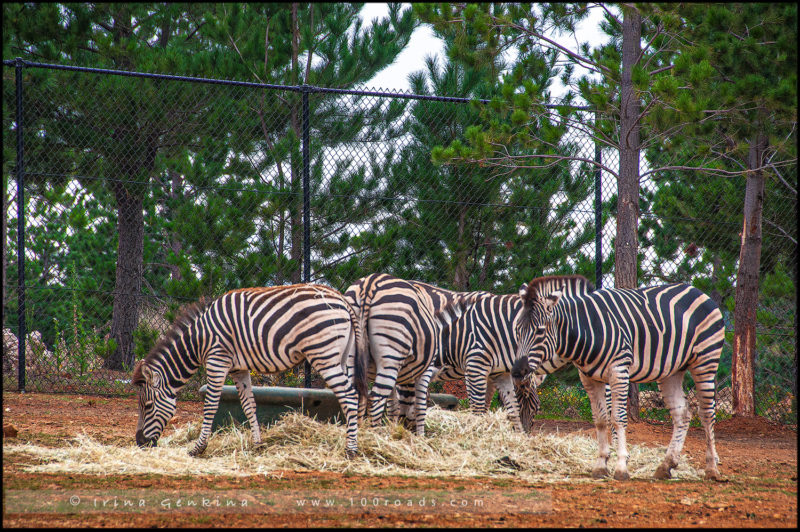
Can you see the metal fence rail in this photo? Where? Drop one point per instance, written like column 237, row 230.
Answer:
column 241, row 184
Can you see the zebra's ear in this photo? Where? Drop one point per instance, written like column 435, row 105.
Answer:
column 551, row 300
column 151, row 378
column 523, row 290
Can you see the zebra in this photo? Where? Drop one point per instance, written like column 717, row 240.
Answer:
column 400, row 334
column 481, row 348
column 617, row 336
column 266, row 330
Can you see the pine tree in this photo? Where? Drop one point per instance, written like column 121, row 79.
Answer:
column 106, row 130
column 187, row 165
column 743, row 116
column 323, row 45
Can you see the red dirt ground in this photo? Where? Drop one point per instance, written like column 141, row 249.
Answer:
column 759, row 461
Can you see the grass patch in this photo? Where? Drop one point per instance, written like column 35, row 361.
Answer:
column 457, row 444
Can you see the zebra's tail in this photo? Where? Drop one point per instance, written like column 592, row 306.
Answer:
column 362, row 349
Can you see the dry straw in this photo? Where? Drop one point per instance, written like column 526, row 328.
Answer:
column 456, row 444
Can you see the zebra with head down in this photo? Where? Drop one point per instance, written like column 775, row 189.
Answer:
column 401, row 334
column 266, row 330
column 481, row 348
column 618, row 336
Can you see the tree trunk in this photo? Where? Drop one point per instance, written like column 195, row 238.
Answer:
column 627, row 241
column 296, row 198
column 746, row 301
column 130, row 252
column 5, row 238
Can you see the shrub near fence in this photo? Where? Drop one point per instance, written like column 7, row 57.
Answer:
column 253, row 184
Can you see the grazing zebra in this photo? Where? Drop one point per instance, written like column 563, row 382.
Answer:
column 261, row 329
column 481, row 348
column 618, row 336
column 400, row 330
column 526, row 385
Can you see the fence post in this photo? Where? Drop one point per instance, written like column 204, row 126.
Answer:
column 306, row 211
column 598, row 209
column 22, row 326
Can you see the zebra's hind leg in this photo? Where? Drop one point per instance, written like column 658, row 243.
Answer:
column 613, row 429
column 421, row 399
column 505, row 386
column 596, row 392
column 705, row 388
column 244, row 387
column 345, row 393
column 672, row 393
column 216, row 369
column 620, row 384
column 385, row 382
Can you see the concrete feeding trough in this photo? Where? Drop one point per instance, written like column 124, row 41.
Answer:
column 274, row 401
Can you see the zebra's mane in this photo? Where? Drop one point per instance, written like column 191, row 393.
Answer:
column 542, row 286
column 178, row 328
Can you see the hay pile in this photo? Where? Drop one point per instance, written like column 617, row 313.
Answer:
column 456, row 444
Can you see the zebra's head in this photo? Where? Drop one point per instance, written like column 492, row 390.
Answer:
column 526, row 385
column 533, row 329
column 156, row 404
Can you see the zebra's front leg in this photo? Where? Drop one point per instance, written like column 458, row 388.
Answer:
column 476, row 377
column 245, row 388
column 421, row 399
column 490, row 389
column 405, row 405
column 217, row 369
column 393, row 410
column 505, row 386
column 597, row 397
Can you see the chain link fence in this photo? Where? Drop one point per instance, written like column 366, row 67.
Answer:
column 202, row 182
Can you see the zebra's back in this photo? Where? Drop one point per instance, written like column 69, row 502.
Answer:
column 271, row 329
column 668, row 328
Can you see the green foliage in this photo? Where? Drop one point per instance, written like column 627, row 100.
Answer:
column 560, row 401
column 144, row 339
column 170, row 144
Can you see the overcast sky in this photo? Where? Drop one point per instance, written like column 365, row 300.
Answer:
column 424, row 43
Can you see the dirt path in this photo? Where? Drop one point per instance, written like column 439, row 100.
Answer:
column 759, row 460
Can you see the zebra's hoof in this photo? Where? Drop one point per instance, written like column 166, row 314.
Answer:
column 621, row 475
column 599, row 472
column 350, row 453
column 197, row 452
column 663, row 473
column 714, row 475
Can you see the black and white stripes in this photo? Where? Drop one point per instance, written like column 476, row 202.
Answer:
column 481, row 347
column 621, row 336
column 401, row 331
column 254, row 329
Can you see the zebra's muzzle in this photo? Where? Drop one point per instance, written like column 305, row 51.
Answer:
column 141, row 441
